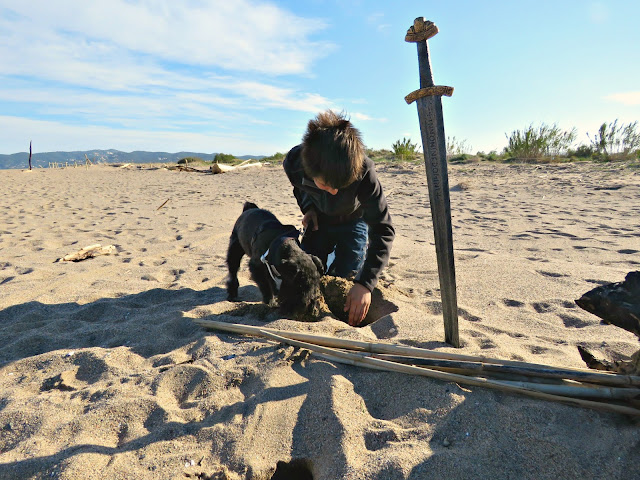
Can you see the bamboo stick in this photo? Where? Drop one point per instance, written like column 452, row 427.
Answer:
column 386, row 348
column 488, row 368
column 560, row 386
column 580, row 391
column 376, row 363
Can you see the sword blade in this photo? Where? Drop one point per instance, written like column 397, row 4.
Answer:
column 435, row 159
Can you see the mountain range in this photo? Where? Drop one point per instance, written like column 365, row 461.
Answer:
column 21, row 160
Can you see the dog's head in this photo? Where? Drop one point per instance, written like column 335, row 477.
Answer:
column 300, row 290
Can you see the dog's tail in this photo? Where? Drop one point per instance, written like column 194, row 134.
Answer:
column 249, row 206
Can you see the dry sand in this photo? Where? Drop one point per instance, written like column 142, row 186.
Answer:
column 104, row 375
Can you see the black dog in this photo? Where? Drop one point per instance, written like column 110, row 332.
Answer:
column 276, row 261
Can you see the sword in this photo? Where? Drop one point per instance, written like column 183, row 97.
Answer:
column 429, row 102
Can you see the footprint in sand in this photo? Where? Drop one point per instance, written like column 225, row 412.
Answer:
column 543, row 307
column 551, row 274
column 573, row 322
column 377, row 439
column 535, row 259
column 537, row 349
column 512, row 303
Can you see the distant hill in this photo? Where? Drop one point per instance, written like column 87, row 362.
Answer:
column 21, row 160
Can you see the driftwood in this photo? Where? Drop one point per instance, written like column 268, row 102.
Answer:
column 186, row 168
column 626, row 367
column 120, row 165
column 617, row 304
column 223, row 167
column 572, row 393
column 165, row 202
column 89, row 252
column 216, row 168
column 538, row 370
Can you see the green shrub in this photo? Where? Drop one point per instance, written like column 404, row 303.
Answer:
column 276, row 157
column 378, row 153
column 461, row 158
column 583, row 151
column 456, row 147
column 382, row 155
column 613, row 140
column 538, row 143
column 190, row 160
column 404, row 149
column 492, row 156
column 223, row 158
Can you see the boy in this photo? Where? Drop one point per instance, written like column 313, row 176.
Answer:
column 339, row 193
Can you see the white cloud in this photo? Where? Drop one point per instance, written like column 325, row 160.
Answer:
column 377, row 21
column 273, row 96
column 16, row 132
column 361, row 116
column 167, row 50
column 368, row 118
column 238, row 35
column 177, row 67
column 626, row 98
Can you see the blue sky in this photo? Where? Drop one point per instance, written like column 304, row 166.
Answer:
column 244, row 76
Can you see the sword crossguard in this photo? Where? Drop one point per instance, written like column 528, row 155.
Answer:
column 421, row 30
column 427, row 92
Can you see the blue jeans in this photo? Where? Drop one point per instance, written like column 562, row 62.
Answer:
column 349, row 241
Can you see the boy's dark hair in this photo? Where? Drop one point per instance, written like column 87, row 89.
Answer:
column 332, row 150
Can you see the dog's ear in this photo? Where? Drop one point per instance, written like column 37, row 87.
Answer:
column 318, row 263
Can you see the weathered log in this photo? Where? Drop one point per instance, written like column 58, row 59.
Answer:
column 222, row 167
column 624, row 367
column 89, row 252
column 186, row 168
column 616, row 303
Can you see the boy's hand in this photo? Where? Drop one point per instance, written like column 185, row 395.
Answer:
column 311, row 217
column 357, row 304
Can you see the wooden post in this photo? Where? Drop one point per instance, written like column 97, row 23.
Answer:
column 30, row 154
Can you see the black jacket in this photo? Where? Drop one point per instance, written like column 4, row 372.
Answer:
column 362, row 199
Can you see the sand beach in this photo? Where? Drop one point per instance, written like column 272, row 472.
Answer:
column 104, row 374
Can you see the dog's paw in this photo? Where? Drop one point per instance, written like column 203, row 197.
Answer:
column 272, row 302
column 232, row 289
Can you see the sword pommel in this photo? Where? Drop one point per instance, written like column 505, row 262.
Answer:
column 421, row 30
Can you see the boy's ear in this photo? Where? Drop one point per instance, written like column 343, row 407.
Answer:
column 318, row 263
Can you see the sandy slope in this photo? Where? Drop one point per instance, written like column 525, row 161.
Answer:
column 104, row 375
